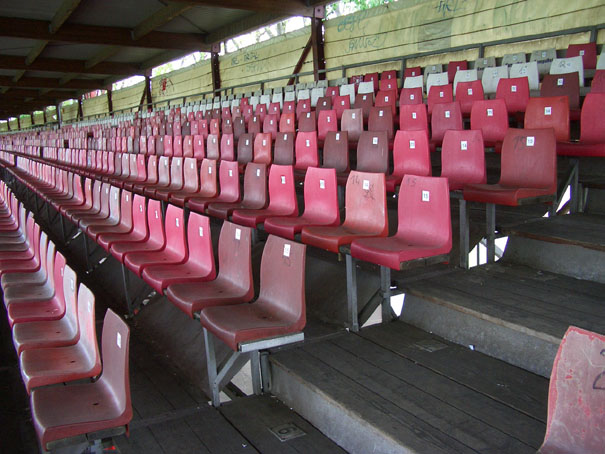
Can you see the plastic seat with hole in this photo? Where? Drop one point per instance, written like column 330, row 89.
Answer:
column 550, row 112
column 280, row 307
column 232, row 285
column 424, row 225
column 255, row 193
column 366, row 214
column 463, row 158
column 62, row 414
column 282, row 199
column 198, row 264
column 138, row 230
column 228, row 177
column 491, row 118
column 49, row 366
column 411, row 156
column 592, row 133
column 321, row 205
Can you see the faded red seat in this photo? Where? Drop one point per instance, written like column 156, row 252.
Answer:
column 410, row 96
column 283, row 153
column 549, row 113
column 491, row 118
column 282, row 199
column 439, row 94
column 411, row 156
column 445, row 116
column 198, row 264
column 340, row 104
column 366, row 213
column 381, row 119
column 37, row 277
column 280, row 307
column 270, row 125
column 163, row 178
column 588, row 52
column 528, row 170
column 49, row 366
column 365, row 102
column 514, row 92
column 321, row 205
column 263, row 144
column 228, row 176
column 138, row 225
column 307, row 121
column 56, row 332
column 455, row 66
column 592, row 133
column 176, row 181
column 306, row 153
column 27, row 260
column 463, row 158
column 352, row 124
column 102, row 408
column 413, row 117
column 424, row 225
column 327, row 121
column 233, row 284
column 172, row 250
column 467, row 93
column 287, row 122
column 191, row 182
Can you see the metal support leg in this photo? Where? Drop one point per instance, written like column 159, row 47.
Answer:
column 385, row 290
column 464, row 233
column 255, row 371
column 86, row 252
column 352, row 293
column 490, row 212
column 265, row 371
column 129, row 304
column 211, row 365
column 62, row 227
column 576, row 195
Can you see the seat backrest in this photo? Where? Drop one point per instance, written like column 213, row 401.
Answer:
column 390, row 74
column 513, row 59
column 453, row 67
column 155, row 224
column 365, row 87
column 255, row 185
column 439, row 94
column 245, row 147
column 227, row 147
column 282, row 192
column 175, row 231
column 423, row 212
column 287, row 122
column 575, row 396
column 598, row 81
column 469, row 93
column 365, row 203
column 463, row 158
column 411, row 153
column 212, row 147
column 327, row 120
column 445, row 116
column 491, row 118
column 352, row 123
column 387, row 98
column 413, row 117
column 588, row 52
column 316, row 94
column 321, row 195
column 388, row 85
column 381, row 119
column 114, row 204
column 373, row 152
column 491, row 77
column 568, row 65
column 255, row 124
column 105, row 199
column 87, row 328
column 436, row 79
column 270, row 125
column 139, row 217
column 336, row 151
column 464, row 75
column 482, row 63
column 412, row 72
column 552, row 112
column 340, row 104
column 199, row 244
column 363, row 101
column 544, row 58
column 306, row 150
column 191, row 180
column 116, row 376
column 529, row 159
column 372, row 77
column 183, row 145
column 562, row 85
column 432, row 69
column 176, row 173
column 307, row 122
column 208, row 185
column 235, row 257
column 515, row 93
column 282, row 281
column 262, row 148
column 283, row 153
column 348, row 90
column 96, row 195
column 410, row 96
column 141, row 168
column 413, row 82
column 529, row 70
column 163, row 171
column 239, row 127
column 228, row 179
column 591, row 121
column 68, row 295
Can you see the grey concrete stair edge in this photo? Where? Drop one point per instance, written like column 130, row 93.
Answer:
column 343, row 426
column 507, row 342
column 569, row 260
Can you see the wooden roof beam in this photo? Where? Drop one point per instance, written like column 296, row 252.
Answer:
column 50, row 82
column 291, row 7
column 64, row 65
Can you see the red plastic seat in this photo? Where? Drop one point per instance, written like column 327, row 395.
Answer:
column 324, row 103
column 587, row 51
column 191, row 181
column 51, row 332
column 366, row 214
column 199, row 149
column 280, row 306
column 255, row 193
column 463, row 158
column 176, row 181
column 67, row 412
column 213, row 147
column 326, row 121
column 227, row 147
column 598, row 82
column 445, row 117
column 549, row 113
column 352, row 124
column 270, row 124
column 306, row 151
column 287, row 123
column 163, row 178
column 152, row 176
column 439, row 94
column 282, row 199
column 153, row 240
column 413, row 117
column 228, row 177
column 515, row 93
column 412, row 72
column 283, row 153
column 592, row 133
column 49, row 366
column 173, row 249
column 307, row 122
column 424, row 225
column 38, row 277
column 93, row 201
column 455, row 66
column 27, row 260
column 138, row 230
column 321, row 205
column 232, row 285
column 340, row 104
column 410, row 157
column 410, row 96
column 262, row 149
column 336, row 152
column 239, row 128
column 365, row 102
column 467, row 93
column 576, row 401
column 245, row 150
column 528, row 169
column 373, row 152
column 387, row 98
column 491, row 118
column 381, row 119
column 562, row 85
column 302, row 107
column 198, row 264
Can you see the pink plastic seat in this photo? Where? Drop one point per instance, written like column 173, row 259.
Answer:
column 439, row 94
column 467, row 93
column 549, row 113
column 381, row 119
column 282, row 199
column 280, row 306
column 412, row 72
column 263, row 144
column 366, row 214
column 213, row 147
column 592, row 133
column 327, row 120
column 306, row 152
column 491, row 118
column 352, row 124
column 227, row 147
column 410, row 96
column 411, row 156
column 321, row 205
column 228, row 176
column 191, row 181
column 38, row 277
column 336, row 152
column 283, row 153
column 576, row 401
column 136, row 220
column 172, row 251
column 307, row 121
column 413, row 117
column 528, row 170
column 463, row 158
column 49, row 366
column 424, row 225
column 515, row 93
column 287, row 122
column 270, row 125
column 176, row 181
column 152, row 176
column 445, row 116
column 72, row 411
column 232, row 285
column 198, row 264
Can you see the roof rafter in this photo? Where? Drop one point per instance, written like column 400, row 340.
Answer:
column 64, row 65
column 50, row 82
column 291, row 7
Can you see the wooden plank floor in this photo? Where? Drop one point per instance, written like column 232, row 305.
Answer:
column 427, row 393
column 542, row 302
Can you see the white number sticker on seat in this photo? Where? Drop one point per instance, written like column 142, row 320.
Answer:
column 337, row 136
column 308, row 143
column 366, row 185
column 380, row 112
column 530, row 141
column 490, row 112
column 322, row 184
column 353, row 115
column 548, row 110
column 441, row 94
column 463, row 145
column 513, row 88
column 470, row 91
column 238, row 234
column 286, row 250
column 426, row 195
column 119, row 340
column 412, row 97
column 414, row 115
column 230, row 172
column 201, row 231
column 374, row 140
column 283, row 179
column 412, row 144
column 447, row 114
column 177, row 221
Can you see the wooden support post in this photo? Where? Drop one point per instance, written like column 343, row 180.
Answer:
column 317, row 43
column 301, row 61
column 109, row 102
column 215, row 65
